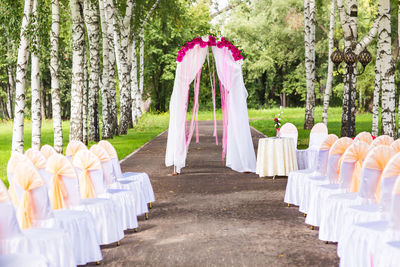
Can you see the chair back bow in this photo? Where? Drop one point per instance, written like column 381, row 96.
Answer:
column 73, row 147
column 365, row 137
column 383, row 140
column 36, row 157
column 109, row 148
column 47, row 151
column 86, row 161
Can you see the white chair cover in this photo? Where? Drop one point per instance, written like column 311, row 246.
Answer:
column 294, row 188
column 290, row 131
column 307, row 157
column 319, row 193
column 332, row 215
column 54, row 245
column 26, row 260
column 106, row 226
column 124, row 198
column 146, row 189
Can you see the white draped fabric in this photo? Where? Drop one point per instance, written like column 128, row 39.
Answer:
column 240, row 155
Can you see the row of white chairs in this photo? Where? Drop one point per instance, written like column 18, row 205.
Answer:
column 60, row 209
column 306, row 157
column 353, row 195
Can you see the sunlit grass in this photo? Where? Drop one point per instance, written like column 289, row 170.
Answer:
column 150, row 125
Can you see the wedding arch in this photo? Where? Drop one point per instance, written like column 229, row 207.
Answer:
column 237, row 144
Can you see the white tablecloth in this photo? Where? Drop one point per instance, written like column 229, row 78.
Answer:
column 276, row 156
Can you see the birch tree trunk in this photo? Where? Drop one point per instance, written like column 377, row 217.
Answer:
column 109, row 17
column 35, row 83
column 55, row 81
column 387, row 69
column 107, row 131
column 328, row 88
column 11, row 82
column 348, row 21
column 134, row 84
column 92, row 25
column 309, row 41
column 121, row 42
column 377, row 91
column 78, row 46
column 22, row 62
column 85, row 100
column 141, row 60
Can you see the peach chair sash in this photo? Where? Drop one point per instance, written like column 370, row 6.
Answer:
column 396, row 146
column 329, row 141
column 389, row 177
column 86, row 161
column 317, row 135
column 47, row 151
column 100, row 152
column 109, row 148
column 385, row 140
column 365, row 137
column 353, row 158
column 36, row 157
column 3, row 192
column 27, row 178
column 340, row 146
column 377, row 159
column 14, row 161
column 59, row 166
column 73, row 147
column 290, row 131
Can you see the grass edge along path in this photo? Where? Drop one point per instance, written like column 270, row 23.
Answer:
column 150, row 125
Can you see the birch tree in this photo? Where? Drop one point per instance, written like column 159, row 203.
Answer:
column 107, row 130
column 141, row 60
column 377, row 92
column 109, row 19
column 11, row 80
column 78, row 46
column 309, row 41
column 35, row 81
column 348, row 21
column 386, row 69
column 22, row 62
column 85, row 100
column 55, row 76
column 328, row 88
column 92, row 25
column 122, row 28
column 134, row 83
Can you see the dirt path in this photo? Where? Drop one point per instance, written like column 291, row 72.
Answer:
column 212, row 216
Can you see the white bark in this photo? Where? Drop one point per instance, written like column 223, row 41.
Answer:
column 121, row 33
column 141, row 60
column 35, row 83
column 309, row 41
column 107, row 131
column 85, row 100
column 78, row 39
column 55, row 81
column 22, row 61
column 387, row 69
column 11, row 82
column 377, row 91
column 92, row 24
column 328, row 87
column 134, row 84
column 109, row 18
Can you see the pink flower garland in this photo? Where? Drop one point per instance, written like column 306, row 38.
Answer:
column 211, row 42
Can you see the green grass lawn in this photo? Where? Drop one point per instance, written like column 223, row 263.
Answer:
column 150, row 125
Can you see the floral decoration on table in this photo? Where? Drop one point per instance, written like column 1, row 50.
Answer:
column 212, row 41
column 278, row 123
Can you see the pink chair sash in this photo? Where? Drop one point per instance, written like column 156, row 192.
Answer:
column 389, row 176
column 329, row 141
column 105, row 160
column 36, row 157
column 396, row 146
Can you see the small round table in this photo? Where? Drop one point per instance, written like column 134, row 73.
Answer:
column 276, row 156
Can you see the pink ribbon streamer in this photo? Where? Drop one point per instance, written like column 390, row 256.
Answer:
column 195, row 111
column 215, row 117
